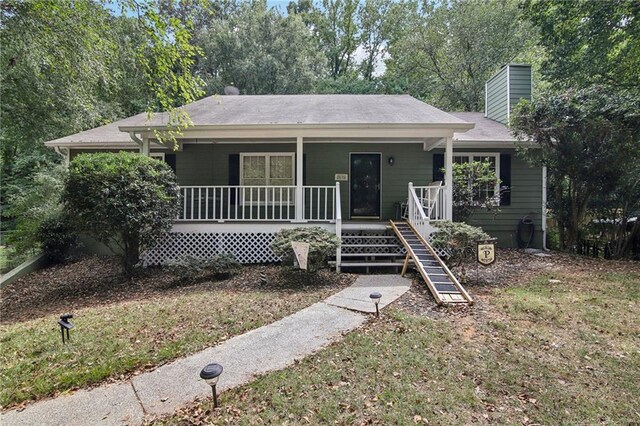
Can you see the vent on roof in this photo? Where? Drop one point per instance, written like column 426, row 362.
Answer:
column 231, row 90
column 505, row 89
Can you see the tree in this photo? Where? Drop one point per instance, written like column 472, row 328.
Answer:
column 450, row 49
column 335, row 26
column 474, row 186
column 124, row 200
column 375, row 29
column 588, row 42
column 586, row 138
column 261, row 52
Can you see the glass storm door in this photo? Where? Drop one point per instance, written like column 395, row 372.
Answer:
column 364, row 186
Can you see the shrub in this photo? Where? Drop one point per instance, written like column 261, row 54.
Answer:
column 459, row 240
column 125, row 200
column 192, row 269
column 56, row 237
column 473, row 187
column 322, row 244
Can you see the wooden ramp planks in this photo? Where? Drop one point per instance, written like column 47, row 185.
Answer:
column 441, row 282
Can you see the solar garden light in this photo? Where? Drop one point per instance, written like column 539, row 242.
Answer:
column 211, row 373
column 65, row 325
column 375, row 298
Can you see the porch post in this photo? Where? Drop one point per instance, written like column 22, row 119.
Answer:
column 299, row 175
column 448, row 179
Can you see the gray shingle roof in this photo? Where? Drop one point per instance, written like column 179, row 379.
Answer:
column 300, row 109
column 309, row 109
column 486, row 129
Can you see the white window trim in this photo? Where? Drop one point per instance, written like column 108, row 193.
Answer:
column 159, row 155
column 495, row 155
column 243, row 155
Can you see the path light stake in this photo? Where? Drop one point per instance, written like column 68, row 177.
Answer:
column 65, row 325
column 375, row 297
column 210, row 373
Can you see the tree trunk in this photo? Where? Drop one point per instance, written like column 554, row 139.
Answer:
column 131, row 253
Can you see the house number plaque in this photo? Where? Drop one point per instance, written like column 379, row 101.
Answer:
column 342, row 177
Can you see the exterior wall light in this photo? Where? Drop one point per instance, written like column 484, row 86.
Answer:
column 391, row 160
column 375, row 298
column 210, row 373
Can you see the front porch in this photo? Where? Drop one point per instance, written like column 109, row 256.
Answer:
column 242, row 220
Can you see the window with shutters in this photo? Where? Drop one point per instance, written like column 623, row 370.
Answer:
column 492, row 158
column 267, row 169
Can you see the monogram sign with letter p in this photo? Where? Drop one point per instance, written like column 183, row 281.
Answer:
column 486, row 252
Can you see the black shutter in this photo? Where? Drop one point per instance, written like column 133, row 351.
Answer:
column 438, row 164
column 234, row 174
column 304, row 169
column 505, row 177
column 170, row 159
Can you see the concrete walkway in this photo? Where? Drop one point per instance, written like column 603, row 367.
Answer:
column 268, row 348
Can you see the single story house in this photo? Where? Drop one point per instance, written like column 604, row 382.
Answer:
column 252, row 165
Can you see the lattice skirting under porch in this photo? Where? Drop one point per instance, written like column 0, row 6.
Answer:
column 247, row 247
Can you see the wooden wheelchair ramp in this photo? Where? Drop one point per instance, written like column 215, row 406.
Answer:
column 441, row 282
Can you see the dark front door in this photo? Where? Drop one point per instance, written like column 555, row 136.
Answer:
column 365, row 186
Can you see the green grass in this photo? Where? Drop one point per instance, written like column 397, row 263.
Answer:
column 565, row 353
column 109, row 341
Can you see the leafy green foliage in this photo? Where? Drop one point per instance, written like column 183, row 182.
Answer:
column 474, row 186
column 459, row 240
column 56, row 237
column 322, row 244
column 192, row 269
column 259, row 51
column 124, row 200
column 588, row 42
column 449, row 49
column 33, row 206
column 584, row 137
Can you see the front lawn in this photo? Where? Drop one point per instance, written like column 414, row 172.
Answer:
column 152, row 325
column 539, row 352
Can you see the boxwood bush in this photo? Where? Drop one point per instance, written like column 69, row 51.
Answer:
column 322, row 244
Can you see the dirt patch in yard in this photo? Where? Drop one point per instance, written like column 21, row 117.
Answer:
column 95, row 281
column 512, row 268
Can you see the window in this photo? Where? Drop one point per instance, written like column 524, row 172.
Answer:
column 492, row 158
column 157, row 155
column 267, row 169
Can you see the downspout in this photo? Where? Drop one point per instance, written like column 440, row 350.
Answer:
column 64, row 152
column 143, row 143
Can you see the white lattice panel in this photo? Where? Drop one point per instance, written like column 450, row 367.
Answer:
column 247, row 247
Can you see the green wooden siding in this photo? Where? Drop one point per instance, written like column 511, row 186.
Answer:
column 208, row 164
column 526, row 200
column 519, row 83
column 503, row 95
column 497, row 97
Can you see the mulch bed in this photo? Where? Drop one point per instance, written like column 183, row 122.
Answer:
column 512, row 267
column 95, row 281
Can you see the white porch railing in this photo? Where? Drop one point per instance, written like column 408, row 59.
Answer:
column 256, row 203
column 338, row 226
column 432, row 199
column 425, row 204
